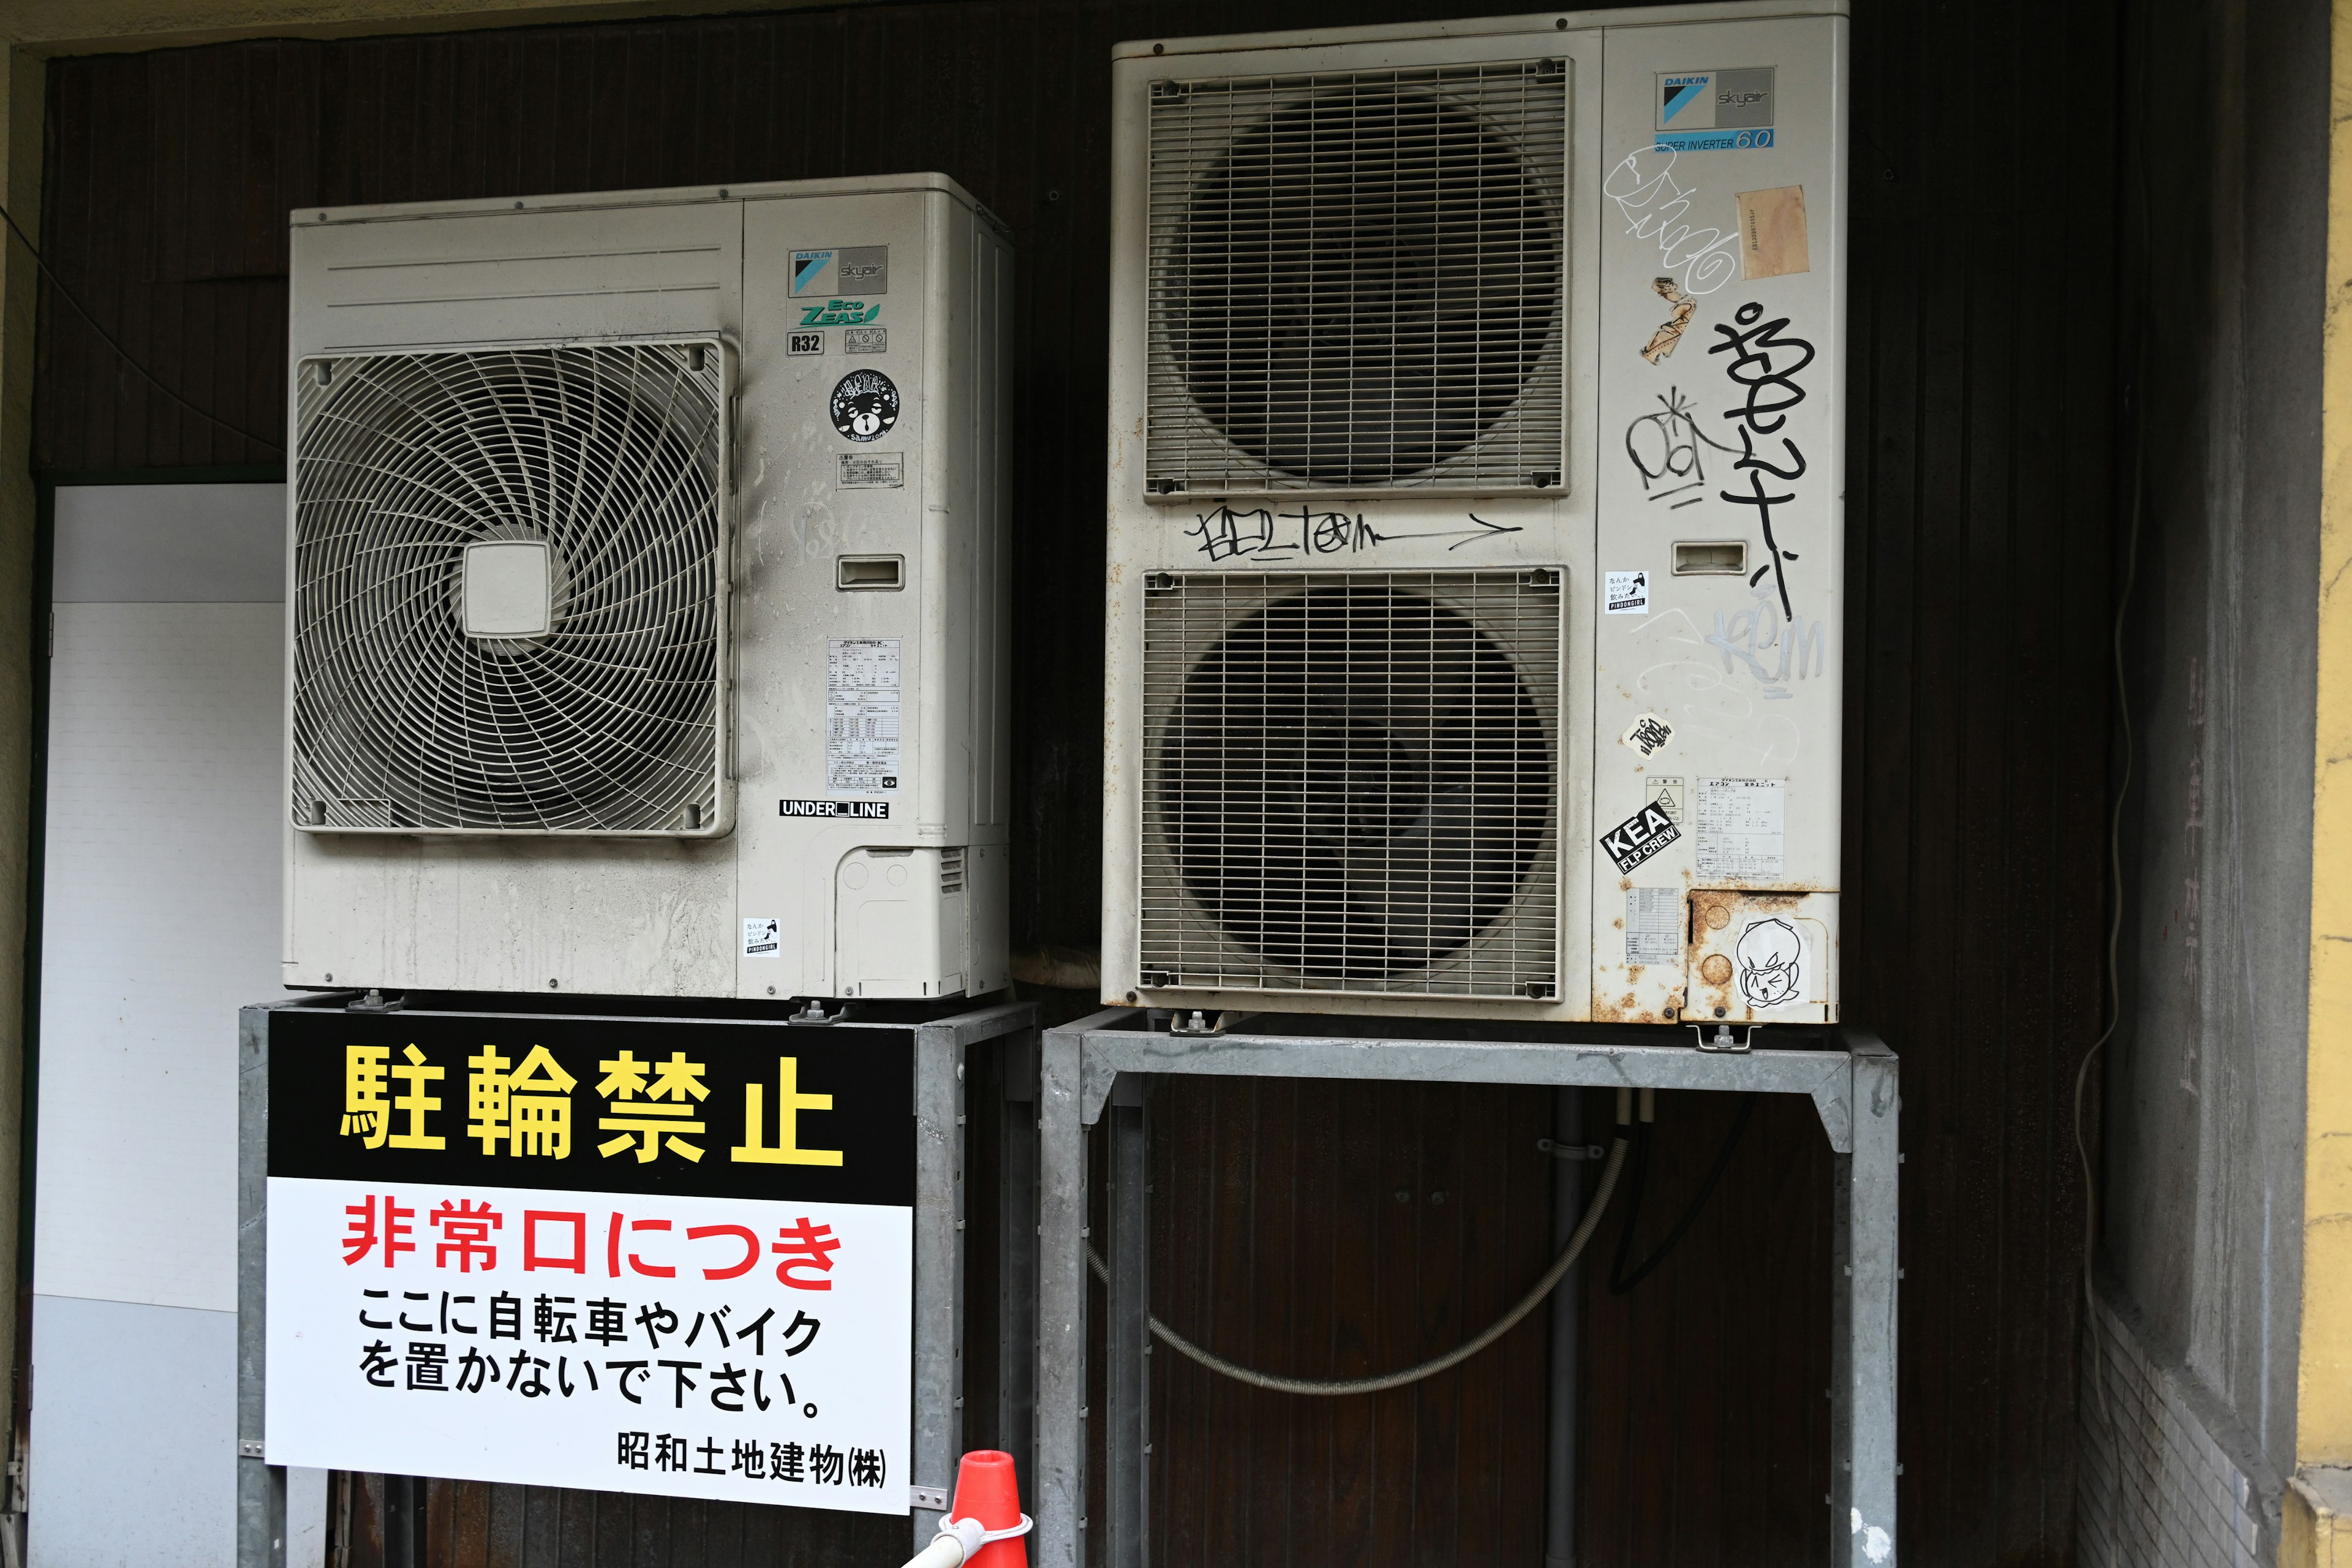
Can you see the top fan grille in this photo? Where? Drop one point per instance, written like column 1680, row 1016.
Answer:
column 411, row 712
column 1357, row 280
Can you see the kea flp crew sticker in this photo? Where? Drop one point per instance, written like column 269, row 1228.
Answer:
column 865, row 405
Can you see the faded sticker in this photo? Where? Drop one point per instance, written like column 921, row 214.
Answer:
column 861, row 712
column 1715, row 110
column 800, row 344
column 873, row 470
column 1626, row 592
column 1666, row 791
column 864, row 340
column 865, row 405
column 1771, row 955
column 760, row 936
column 864, row 270
column 1648, row 735
column 1772, row 241
column 1741, row 830
column 861, row 810
column 1653, row 925
column 1639, row 836
column 1661, row 341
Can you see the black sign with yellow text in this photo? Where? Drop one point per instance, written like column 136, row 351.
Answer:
column 679, row 1106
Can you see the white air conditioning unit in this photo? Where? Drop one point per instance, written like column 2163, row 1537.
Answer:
column 646, row 612
column 1475, row 583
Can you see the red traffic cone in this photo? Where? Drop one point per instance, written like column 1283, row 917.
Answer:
column 987, row 1490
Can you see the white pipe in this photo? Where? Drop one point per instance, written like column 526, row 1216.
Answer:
column 962, row 1539
column 944, row 1552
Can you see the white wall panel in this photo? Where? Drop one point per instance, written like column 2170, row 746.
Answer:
column 159, row 900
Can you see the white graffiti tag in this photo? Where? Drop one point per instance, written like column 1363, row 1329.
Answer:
column 1656, row 207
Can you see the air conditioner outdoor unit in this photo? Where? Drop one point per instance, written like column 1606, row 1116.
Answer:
column 646, row 627
column 1477, row 453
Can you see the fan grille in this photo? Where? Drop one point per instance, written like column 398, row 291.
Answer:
column 610, row 458
column 1357, row 280
column 1350, row 783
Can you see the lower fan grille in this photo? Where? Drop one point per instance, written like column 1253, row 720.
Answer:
column 509, row 569
column 1352, row 783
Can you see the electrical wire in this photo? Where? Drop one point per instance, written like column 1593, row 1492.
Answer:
column 108, row 339
column 2115, row 984
column 1620, row 1283
column 1453, row 1358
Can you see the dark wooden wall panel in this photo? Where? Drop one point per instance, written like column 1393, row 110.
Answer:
column 1979, row 486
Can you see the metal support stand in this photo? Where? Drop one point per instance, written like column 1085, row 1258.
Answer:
column 941, row 1049
column 1567, row 1209
column 1089, row 1065
column 1016, row 1284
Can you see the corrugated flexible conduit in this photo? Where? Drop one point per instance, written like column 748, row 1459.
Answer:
column 1335, row 1388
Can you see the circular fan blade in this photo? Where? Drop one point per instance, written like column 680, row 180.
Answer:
column 1367, row 281
column 410, row 712
column 1355, row 784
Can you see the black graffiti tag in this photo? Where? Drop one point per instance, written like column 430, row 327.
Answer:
column 1762, row 367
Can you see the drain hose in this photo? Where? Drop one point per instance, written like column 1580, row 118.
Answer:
column 1454, row 1357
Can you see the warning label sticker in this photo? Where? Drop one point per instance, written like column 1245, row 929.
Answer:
column 1742, row 830
column 1653, row 925
column 861, row 709
column 873, row 470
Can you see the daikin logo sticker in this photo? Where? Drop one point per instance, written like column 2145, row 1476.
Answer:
column 813, row 271
column 1716, row 110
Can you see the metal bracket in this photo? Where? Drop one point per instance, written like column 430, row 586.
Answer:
column 374, row 1002
column 1198, row 1025
column 1721, row 1040
column 814, row 1014
column 932, row 1498
column 250, row 1449
column 1569, row 1150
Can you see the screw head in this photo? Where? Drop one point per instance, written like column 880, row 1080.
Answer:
column 551, row 985
column 1719, row 1011
column 1159, row 49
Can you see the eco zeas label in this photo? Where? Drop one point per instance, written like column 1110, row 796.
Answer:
column 662, row 1257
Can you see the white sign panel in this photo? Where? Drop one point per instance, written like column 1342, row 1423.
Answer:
column 660, row 1256
column 592, row 1339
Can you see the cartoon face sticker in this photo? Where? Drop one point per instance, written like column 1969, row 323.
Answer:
column 1769, row 952
column 865, row 405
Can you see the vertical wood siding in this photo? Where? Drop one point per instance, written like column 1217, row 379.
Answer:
column 1979, row 489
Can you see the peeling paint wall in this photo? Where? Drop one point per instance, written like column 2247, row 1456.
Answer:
column 2224, row 228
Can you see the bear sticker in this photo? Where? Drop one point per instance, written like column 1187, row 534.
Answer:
column 865, row 405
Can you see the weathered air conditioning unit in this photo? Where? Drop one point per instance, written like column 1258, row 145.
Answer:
column 646, row 612
column 1476, row 535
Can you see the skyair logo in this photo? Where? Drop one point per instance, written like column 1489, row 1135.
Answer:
column 1676, row 93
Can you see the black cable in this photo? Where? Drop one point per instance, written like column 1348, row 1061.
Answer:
column 83, row 311
column 1620, row 1283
